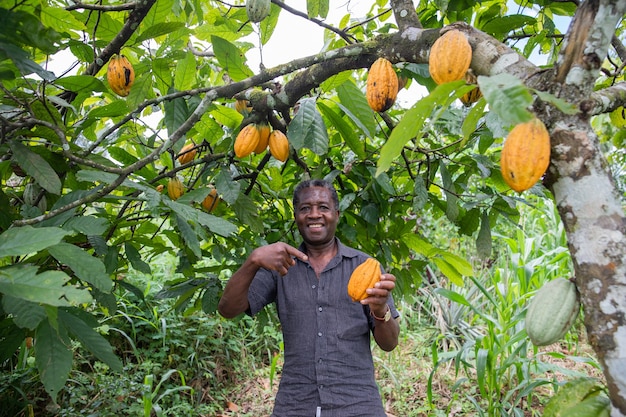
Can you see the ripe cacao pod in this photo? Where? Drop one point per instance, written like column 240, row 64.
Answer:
column 211, row 201
column 474, row 95
column 381, row 89
column 243, row 107
column 175, row 188
column 450, row 57
column 246, row 141
column 552, row 311
column 363, row 277
column 264, row 137
column 279, row 145
column 525, row 155
column 187, row 153
column 258, row 10
column 120, row 75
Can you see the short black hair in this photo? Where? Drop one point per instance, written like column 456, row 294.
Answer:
column 315, row 183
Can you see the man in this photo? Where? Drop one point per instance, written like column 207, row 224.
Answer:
column 328, row 369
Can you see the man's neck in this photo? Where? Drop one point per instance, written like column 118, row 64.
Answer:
column 328, row 249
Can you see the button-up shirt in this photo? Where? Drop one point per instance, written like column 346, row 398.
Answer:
column 328, row 368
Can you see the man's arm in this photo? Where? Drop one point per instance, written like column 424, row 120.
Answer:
column 277, row 256
column 385, row 332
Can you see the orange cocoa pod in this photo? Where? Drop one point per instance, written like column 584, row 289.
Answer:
column 279, row 145
column 381, row 89
column 474, row 95
column 363, row 277
column 246, row 141
column 175, row 188
column 450, row 57
column 525, row 155
column 120, row 75
column 264, row 137
column 211, row 201
column 187, row 153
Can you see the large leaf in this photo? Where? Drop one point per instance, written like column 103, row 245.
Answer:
column 507, row 96
column 25, row 314
column 307, row 129
column 159, row 29
column 25, row 240
column 231, row 59
column 185, row 72
column 90, row 339
column 37, row 167
column 344, row 128
column 134, row 257
column 215, row 224
column 49, row 287
column 354, row 103
column 52, row 356
column 81, row 83
column 189, row 236
column 85, row 266
column 413, row 121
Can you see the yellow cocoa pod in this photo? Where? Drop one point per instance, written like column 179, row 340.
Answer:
column 381, row 89
column 243, row 107
column 120, row 75
column 474, row 95
column 246, row 141
column 363, row 277
column 175, row 188
column 211, row 201
column 264, row 137
column 187, row 153
column 279, row 145
column 450, row 57
column 525, row 155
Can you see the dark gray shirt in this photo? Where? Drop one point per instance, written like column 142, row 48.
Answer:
column 328, row 360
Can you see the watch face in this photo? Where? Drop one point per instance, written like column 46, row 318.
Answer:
column 388, row 315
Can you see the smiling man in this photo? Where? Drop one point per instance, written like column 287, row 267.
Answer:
column 328, row 369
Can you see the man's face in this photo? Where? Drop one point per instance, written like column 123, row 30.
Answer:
column 316, row 215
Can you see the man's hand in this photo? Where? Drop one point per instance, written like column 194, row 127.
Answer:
column 377, row 296
column 278, row 257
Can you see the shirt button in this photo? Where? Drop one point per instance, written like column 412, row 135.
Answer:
column 319, row 308
column 313, row 286
column 320, row 334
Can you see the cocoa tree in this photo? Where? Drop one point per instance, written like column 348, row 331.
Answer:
column 82, row 168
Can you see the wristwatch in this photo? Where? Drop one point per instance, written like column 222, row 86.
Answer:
column 385, row 318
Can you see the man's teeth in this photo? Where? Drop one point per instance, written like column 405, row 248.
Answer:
column 315, row 226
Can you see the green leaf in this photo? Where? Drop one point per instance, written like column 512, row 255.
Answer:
column 353, row 102
column 449, row 271
column 189, row 236
column 60, row 19
column 134, row 257
column 114, row 109
column 215, row 224
column 484, row 243
column 176, row 113
column 559, row 103
column 507, row 96
column 81, row 83
column 346, row 131
column 412, row 123
column 49, row 287
column 459, row 263
column 185, row 72
column 25, row 240
column 90, row 339
column 268, row 25
column 23, row 62
column 505, row 24
column 307, row 129
column 25, row 314
column 85, row 266
column 159, row 29
column 87, row 225
column 53, row 357
column 37, row 167
column 231, row 59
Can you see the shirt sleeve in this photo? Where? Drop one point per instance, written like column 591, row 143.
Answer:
column 262, row 291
